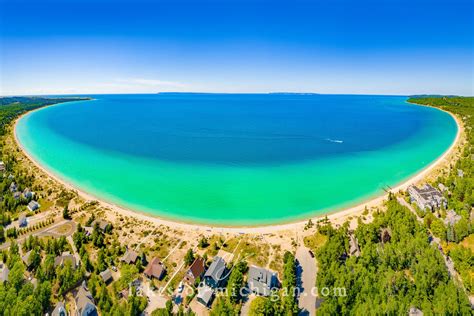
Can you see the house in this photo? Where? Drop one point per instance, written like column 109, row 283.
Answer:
column 106, row 276
column 155, row 269
column 4, row 272
column 354, row 249
column 452, row 218
column 26, row 259
column 427, row 197
column 27, row 193
column 129, row 257
column 22, row 220
column 195, row 271
column 460, row 173
column 59, row 310
column 85, row 302
column 33, row 206
column 205, row 295
column 102, row 224
column 17, row 195
column 215, row 274
column 442, row 187
column 63, row 258
column 261, row 281
column 2, row 166
column 415, row 312
column 13, row 187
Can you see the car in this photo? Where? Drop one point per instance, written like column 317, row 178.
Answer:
column 311, row 254
column 180, row 287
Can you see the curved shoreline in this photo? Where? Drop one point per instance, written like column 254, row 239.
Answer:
column 337, row 216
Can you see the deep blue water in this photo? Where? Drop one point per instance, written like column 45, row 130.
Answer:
column 237, row 129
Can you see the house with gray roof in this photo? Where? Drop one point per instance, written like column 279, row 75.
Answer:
column 59, row 310
column 452, row 218
column 130, row 256
column 4, row 271
column 216, row 273
column 27, row 193
column 22, row 221
column 106, row 276
column 261, row 281
column 85, row 305
column 13, row 187
column 26, row 259
column 17, row 195
column 33, row 206
column 205, row 295
column 427, row 197
column 63, row 258
column 102, row 224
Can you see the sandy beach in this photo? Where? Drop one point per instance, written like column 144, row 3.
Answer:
column 337, row 217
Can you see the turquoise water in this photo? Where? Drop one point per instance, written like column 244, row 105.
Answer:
column 236, row 159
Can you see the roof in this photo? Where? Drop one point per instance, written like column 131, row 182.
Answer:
column 216, row 269
column 452, row 218
column 33, row 205
column 205, row 294
column 63, row 258
column 197, row 267
column 26, row 258
column 155, row 268
column 261, row 280
column 59, row 310
column 130, row 256
column 415, row 312
column 102, row 223
column 3, row 272
column 85, row 302
column 106, row 275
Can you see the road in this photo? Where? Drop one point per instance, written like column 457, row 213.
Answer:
column 43, row 231
column 307, row 270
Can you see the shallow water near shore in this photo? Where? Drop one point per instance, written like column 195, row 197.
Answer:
column 226, row 159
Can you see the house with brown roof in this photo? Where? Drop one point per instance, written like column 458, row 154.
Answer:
column 155, row 269
column 195, row 271
column 106, row 276
column 63, row 258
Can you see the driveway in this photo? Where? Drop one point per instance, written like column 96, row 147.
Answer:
column 306, row 276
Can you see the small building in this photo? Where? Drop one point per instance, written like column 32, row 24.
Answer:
column 13, row 187
column 28, row 194
column 85, row 305
column 354, row 249
column 102, row 224
column 460, row 173
column 4, row 271
column 442, row 187
column 2, row 166
column 415, row 312
column 64, row 258
column 17, row 195
column 452, row 218
column 215, row 274
column 195, row 271
column 22, row 221
column 130, row 256
column 205, row 296
column 33, row 206
column 427, row 197
column 155, row 269
column 26, row 259
column 59, row 310
column 106, row 276
column 261, row 281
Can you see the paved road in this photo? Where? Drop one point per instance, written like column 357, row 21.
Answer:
column 306, row 275
column 43, row 231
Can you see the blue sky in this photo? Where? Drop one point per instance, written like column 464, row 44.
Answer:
column 331, row 46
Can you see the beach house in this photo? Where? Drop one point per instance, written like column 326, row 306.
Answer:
column 195, row 271
column 205, row 295
column 33, row 206
column 155, row 269
column 261, row 281
column 85, row 305
column 427, row 197
column 215, row 275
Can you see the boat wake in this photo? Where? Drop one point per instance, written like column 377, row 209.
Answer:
column 334, row 140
